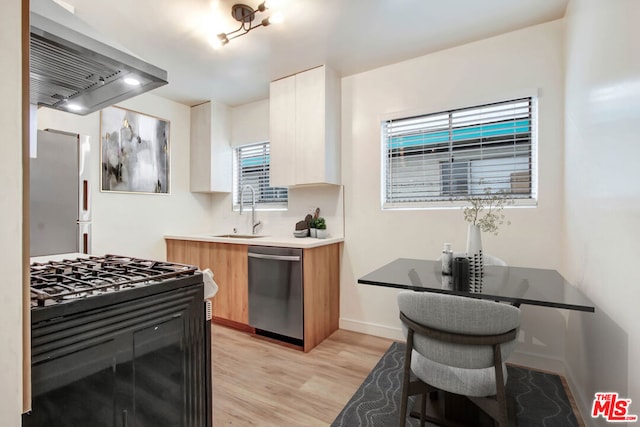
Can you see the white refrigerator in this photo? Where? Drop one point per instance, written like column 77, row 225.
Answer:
column 60, row 192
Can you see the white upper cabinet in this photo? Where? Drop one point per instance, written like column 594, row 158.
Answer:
column 304, row 116
column 211, row 152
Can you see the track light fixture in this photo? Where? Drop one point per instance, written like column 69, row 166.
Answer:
column 246, row 16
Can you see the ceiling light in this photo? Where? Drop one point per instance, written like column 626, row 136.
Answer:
column 277, row 18
column 74, row 107
column 270, row 4
column 218, row 40
column 246, row 16
column 131, row 81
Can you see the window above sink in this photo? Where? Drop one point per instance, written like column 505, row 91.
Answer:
column 251, row 166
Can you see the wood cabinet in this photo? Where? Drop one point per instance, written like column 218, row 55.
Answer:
column 229, row 263
column 211, row 156
column 321, row 275
column 304, row 127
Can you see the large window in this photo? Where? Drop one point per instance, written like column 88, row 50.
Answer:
column 251, row 167
column 434, row 159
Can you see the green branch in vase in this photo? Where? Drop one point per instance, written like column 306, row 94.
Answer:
column 485, row 210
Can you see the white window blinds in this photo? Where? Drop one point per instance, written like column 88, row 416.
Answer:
column 450, row 155
column 251, row 167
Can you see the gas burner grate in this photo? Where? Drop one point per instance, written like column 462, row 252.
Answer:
column 71, row 279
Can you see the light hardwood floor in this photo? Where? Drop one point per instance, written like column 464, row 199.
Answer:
column 259, row 383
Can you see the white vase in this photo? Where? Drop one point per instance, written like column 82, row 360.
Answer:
column 474, row 239
column 321, row 233
column 476, row 260
column 312, row 232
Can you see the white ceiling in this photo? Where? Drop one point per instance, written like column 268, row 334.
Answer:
column 351, row 36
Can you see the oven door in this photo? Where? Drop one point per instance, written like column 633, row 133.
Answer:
column 76, row 388
column 138, row 363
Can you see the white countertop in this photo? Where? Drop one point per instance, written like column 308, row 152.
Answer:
column 283, row 241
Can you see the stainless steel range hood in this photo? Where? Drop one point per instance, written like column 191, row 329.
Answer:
column 75, row 73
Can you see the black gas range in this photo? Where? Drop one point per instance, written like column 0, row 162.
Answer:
column 119, row 341
column 71, row 285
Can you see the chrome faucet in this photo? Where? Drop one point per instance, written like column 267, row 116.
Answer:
column 254, row 224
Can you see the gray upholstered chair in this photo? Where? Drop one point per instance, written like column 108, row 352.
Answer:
column 457, row 345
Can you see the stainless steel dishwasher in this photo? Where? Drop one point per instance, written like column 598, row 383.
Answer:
column 275, row 292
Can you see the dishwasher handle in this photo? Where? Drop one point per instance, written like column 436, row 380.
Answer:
column 275, row 257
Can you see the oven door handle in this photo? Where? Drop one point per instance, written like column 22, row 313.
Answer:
column 275, row 257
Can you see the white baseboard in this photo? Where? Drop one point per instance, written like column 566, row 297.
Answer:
column 372, row 329
column 583, row 401
column 538, row 361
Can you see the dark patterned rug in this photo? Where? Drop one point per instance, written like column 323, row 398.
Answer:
column 540, row 397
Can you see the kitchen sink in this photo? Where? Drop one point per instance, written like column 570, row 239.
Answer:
column 239, row 236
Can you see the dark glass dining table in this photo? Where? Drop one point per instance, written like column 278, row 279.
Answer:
column 517, row 285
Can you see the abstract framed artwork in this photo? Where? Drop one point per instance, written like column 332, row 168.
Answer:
column 134, row 152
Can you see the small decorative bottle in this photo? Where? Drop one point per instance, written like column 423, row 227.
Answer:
column 447, row 259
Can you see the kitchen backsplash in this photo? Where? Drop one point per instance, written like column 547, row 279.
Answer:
column 302, row 201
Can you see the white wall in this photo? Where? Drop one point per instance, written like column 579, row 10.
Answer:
column 11, row 214
column 602, row 188
column 134, row 224
column 250, row 124
column 480, row 72
column 302, row 201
